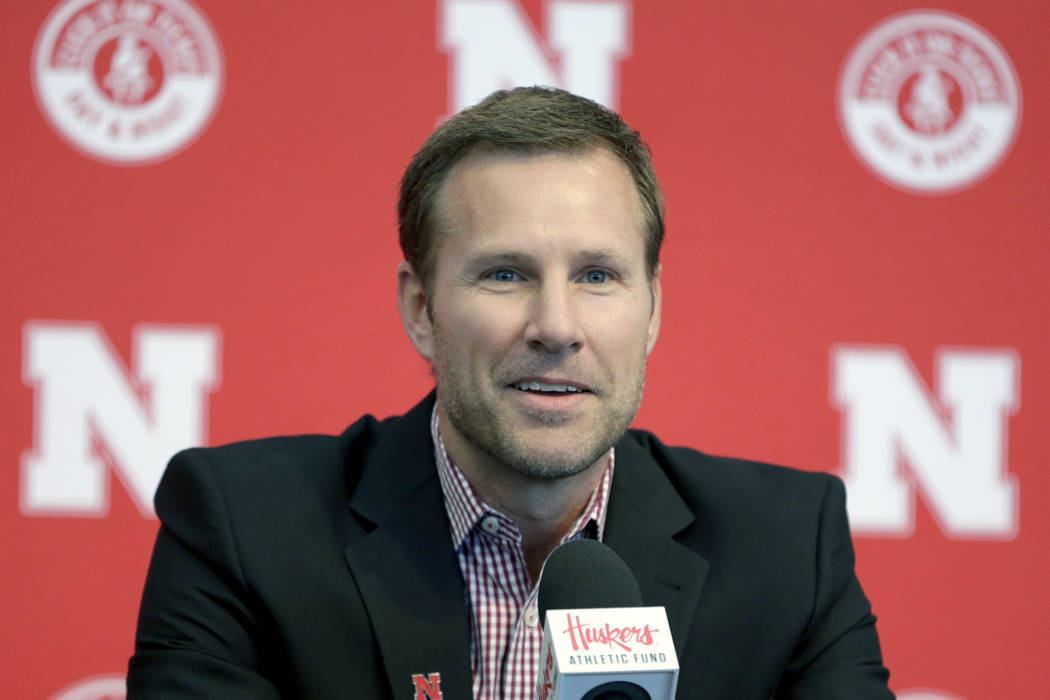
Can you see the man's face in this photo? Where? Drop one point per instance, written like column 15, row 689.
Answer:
column 542, row 312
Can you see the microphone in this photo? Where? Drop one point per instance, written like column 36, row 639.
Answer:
column 599, row 642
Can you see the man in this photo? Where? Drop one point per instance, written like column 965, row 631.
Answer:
column 401, row 559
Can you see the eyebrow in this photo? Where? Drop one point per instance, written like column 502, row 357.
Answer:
column 603, row 256
column 597, row 256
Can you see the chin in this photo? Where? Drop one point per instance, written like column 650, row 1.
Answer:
column 551, row 464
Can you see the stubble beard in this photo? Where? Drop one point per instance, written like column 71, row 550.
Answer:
column 487, row 427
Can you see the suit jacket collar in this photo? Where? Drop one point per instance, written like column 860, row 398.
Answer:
column 408, row 574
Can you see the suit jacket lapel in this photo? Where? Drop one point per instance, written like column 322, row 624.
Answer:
column 645, row 512
column 406, row 569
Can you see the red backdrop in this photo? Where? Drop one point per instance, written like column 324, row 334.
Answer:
column 243, row 199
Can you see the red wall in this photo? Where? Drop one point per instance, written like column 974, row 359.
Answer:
column 253, row 209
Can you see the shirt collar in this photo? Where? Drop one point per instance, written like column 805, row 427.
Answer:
column 466, row 510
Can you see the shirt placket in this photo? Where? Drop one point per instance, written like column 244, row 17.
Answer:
column 509, row 576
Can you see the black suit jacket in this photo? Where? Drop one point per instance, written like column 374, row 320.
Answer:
column 322, row 567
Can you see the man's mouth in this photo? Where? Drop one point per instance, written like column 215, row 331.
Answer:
column 549, row 388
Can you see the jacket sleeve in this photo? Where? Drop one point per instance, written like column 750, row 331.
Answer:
column 198, row 633
column 838, row 656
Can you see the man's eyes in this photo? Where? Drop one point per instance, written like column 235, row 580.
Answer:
column 596, row 276
column 506, row 274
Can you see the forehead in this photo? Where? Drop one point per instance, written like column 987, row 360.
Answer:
column 588, row 197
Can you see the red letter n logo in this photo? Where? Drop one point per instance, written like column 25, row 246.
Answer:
column 428, row 688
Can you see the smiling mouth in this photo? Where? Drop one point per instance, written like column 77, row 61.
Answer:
column 549, row 389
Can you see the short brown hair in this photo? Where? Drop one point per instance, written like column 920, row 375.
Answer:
column 525, row 121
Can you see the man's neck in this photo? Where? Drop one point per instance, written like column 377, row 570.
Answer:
column 543, row 509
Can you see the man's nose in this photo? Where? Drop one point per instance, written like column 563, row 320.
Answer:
column 554, row 323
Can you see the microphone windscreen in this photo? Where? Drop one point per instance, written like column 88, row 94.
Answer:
column 618, row 690
column 586, row 574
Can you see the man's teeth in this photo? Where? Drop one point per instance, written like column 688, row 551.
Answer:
column 540, row 386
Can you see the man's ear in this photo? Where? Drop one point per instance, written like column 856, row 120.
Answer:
column 412, row 301
column 654, row 317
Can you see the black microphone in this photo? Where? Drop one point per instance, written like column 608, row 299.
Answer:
column 599, row 643
column 617, row 690
column 586, row 574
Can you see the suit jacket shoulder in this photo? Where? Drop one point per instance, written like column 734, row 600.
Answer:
column 299, row 566
column 771, row 550
column 747, row 496
column 262, row 475
column 248, row 592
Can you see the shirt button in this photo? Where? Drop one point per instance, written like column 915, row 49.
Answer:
column 531, row 617
column 490, row 524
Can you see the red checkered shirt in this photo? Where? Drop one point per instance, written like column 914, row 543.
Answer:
column 505, row 636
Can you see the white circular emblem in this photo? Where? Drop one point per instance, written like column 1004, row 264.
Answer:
column 929, row 101
column 127, row 82
column 104, row 687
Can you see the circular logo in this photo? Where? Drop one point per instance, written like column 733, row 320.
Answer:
column 929, row 101
column 127, row 82
column 103, row 687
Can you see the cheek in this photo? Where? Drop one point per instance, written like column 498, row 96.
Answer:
column 621, row 344
column 479, row 330
column 619, row 327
